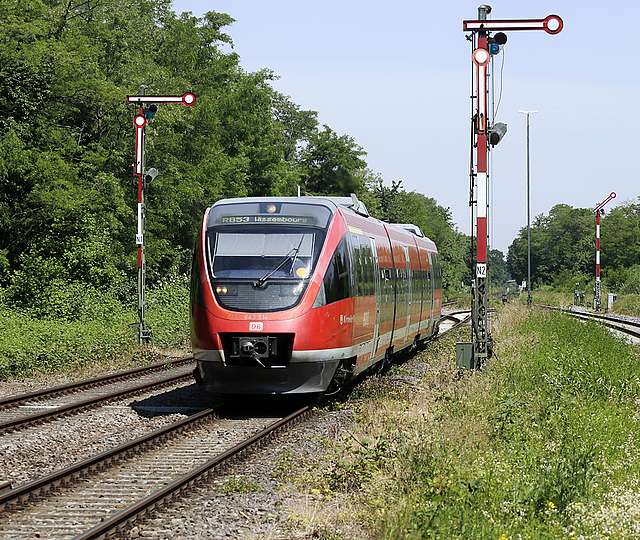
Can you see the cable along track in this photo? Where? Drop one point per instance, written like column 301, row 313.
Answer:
column 33, row 408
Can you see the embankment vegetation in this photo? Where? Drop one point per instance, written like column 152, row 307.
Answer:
column 543, row 443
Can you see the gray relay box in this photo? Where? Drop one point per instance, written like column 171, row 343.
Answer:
column 464, row 355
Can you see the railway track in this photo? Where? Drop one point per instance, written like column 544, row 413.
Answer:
column 40, row 406
column 630, row 328
column 109, row 491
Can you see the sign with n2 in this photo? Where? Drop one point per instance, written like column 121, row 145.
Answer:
column 481, row 270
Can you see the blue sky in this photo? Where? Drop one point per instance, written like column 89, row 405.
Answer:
column 395, row 76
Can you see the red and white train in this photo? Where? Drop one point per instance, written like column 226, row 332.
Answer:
column 298, row 294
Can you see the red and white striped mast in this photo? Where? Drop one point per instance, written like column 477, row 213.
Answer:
column 146, row 111
column 484, row 134
column 597, row 291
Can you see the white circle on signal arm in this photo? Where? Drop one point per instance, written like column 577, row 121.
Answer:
column 553, row 24
column 189, row 98
column 139, row 120
column 481, row 56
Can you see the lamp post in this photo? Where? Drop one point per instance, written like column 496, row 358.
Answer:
column 529, row 299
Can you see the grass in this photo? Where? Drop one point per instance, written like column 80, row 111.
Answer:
column 104, row 337
column 627, row 304
column 240, row 484
column 542, row 444
column 550, row 298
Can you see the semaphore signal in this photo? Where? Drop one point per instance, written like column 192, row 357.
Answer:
column 597, row 290
column 146, row 112
column 484, row 135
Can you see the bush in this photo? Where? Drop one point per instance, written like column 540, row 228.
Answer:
column 80, row 326
column 632, row 282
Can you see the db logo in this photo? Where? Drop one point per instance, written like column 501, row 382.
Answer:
column 256, row 326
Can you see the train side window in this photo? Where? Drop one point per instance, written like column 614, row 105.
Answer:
column 357, row 263
column 336, row 280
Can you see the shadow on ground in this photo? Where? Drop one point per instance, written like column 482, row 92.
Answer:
column 193, row 398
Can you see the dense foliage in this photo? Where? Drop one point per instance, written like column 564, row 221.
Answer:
column 67, row 200
column 563, row 251
column 66, row 196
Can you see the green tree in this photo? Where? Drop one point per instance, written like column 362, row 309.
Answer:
column 499, row 272
column 563, row 249
column 330, row 163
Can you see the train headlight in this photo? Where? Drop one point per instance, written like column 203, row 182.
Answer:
column 226, row 290
column 302, row 272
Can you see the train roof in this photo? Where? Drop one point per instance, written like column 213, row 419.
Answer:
column 350, row 204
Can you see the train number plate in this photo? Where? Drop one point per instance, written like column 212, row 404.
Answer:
column 481, row 270
column 256, row 326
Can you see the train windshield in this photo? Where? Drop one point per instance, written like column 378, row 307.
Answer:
column 262, row 254
column 253, row 254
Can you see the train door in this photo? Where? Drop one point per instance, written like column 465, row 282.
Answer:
column 409, row 288
column 429, row 292
column 378, row 297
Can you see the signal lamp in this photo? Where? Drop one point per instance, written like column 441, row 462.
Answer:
column 494, row 48
column 500, row 38
column 188, row 99
column 480, row 56
column 497, row 132
column 150, row 112
column 150, row 175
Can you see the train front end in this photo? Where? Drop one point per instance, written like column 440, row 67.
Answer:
column 259, row 321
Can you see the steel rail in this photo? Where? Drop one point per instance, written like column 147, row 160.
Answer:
column 62, row 477
column 55, row 391
column 51, row 414
column 607, row 318
column 128, row 515
column 615, row 323
column 460, row 322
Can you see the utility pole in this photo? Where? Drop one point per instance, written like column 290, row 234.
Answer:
column 529, row 298
column 597, row 291
column 484, row 44
column 146, row 111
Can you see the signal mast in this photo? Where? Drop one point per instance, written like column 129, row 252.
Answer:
column 486, row 37
column 597, row 291
column 148, row 107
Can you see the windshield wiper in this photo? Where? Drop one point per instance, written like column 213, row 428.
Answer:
column 293, row 252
